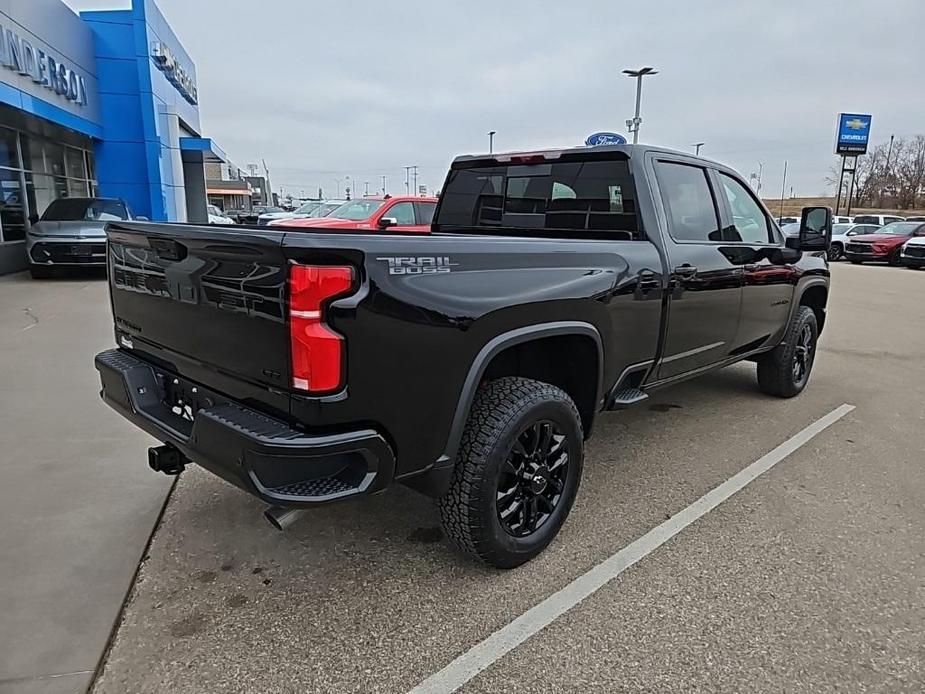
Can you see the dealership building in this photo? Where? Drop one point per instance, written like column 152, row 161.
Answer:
column 104, row 103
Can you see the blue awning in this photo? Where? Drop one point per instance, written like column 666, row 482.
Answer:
column 199, row 150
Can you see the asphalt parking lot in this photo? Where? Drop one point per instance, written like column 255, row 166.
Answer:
column 812, row 578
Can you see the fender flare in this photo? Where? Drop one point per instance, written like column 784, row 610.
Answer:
column 494, row 347
column 801, row 290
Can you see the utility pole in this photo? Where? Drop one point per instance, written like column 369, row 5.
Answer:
column 491, row 141
column 385, row 187
column 783, row 190
column 415, row 174
column 760, row 169
column 408, row 180
column 367, row 187
column 633, row 125
column 697, row 146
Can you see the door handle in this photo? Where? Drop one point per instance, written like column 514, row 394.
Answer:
column 685, row 270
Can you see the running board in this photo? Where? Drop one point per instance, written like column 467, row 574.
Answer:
column 626, row 397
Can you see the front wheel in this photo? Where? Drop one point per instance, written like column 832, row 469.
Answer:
column 517, row 472
column 896, row 257
column 784, row 371
column 835, row 252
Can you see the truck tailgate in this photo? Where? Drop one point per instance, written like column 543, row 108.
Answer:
column 208, row 302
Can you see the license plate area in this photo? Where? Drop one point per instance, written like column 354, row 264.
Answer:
column 185, row 399
column 81, row 250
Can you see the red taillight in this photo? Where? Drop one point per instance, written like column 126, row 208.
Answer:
column 317, row 351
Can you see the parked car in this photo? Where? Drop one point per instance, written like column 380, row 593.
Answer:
column 469, row 364
column 913, row 253
column 315, row 209
column 216, row 216
column 878, row 219
column 400, row 213
column 842, row 232
column 915, row 219
column 788, row 220
column 840, row 219
column 234, row 214
column 303, row 210
column 71, row 233
column 883, row 245
column 251, row 216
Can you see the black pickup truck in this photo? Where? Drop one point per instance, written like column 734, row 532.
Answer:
column 469, row 363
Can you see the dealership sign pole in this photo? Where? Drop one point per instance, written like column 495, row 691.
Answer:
column 852, row 134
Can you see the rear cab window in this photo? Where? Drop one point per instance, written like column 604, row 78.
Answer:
column 575, row 196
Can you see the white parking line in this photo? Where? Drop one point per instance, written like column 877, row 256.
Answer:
column 506, row 639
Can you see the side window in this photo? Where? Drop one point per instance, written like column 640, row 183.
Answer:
column 403, row 212
column 688, row 202
column 425, row 212
column 750, row 223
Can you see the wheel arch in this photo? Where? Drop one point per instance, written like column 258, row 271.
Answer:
column 816, row 296
column 503, row 356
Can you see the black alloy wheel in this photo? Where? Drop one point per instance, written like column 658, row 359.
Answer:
column 803, row 354
column 835, row 252
column 532, row 478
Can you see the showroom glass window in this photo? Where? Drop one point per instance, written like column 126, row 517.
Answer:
column 34, row 171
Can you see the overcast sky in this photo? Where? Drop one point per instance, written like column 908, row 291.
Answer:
column 325, row 90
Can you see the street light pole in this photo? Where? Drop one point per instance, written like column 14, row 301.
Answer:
column 491, row 140
column 697, row 146
column 633, row 125
column 408, row 180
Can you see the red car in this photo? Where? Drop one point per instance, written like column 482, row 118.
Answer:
column 885, row 245
column 375, row 213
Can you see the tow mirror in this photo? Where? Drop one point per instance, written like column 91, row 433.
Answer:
column 815, row 230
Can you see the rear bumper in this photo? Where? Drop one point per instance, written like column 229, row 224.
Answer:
column 263, row 456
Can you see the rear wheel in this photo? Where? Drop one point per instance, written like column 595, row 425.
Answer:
column 784, row 371
column 517, row 472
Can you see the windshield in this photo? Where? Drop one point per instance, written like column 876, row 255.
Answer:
column 308, row 207
column 325, row 209
column 357, row 210
column 899, row 228
column 84, row 210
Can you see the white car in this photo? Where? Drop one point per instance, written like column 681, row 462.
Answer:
column 216, row 216
column 310, row 209
column 878, row 219
column 913, row 253
column 841, row 233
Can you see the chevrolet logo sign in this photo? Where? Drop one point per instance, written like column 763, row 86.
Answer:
column 856, row 124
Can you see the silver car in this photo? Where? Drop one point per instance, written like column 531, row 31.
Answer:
column 72, row 233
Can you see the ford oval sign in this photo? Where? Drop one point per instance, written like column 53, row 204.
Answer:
column 598, row 139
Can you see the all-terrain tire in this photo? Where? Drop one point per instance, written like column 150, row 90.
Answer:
column 503, row 411
column 777, row 370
